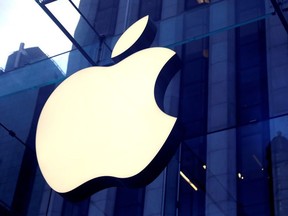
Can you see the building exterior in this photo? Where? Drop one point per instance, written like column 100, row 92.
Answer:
column 25, row 86
column 230, row 95
column 23, row 57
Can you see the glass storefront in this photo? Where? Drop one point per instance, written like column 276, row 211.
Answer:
column 230, row 95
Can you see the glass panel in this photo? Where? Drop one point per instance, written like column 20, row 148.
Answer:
column 211, row 178
column 194, row 19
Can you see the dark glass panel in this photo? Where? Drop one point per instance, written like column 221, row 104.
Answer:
column 129, row 202
column 153, row 8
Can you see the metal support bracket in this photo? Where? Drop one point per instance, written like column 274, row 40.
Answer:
column 42, row 4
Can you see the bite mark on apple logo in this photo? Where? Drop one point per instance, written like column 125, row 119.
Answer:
column 105, row 126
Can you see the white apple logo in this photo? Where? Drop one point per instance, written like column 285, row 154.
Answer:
column 102, row 127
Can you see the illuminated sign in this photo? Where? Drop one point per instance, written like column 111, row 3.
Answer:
column 103, row 127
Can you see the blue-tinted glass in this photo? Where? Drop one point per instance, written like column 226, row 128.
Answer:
column 193, row 161
column 151, row 8
column 194, row 86
column 129, row 202
column 251, row 75
column 261, row 145
column 75, row 209
column 252, row 170
column 189, row 4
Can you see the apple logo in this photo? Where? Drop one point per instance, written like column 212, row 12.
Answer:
column 104, row 126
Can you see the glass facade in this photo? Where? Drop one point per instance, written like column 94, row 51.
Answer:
column 230, row 95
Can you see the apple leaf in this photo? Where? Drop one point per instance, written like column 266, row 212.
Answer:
column 138, row 36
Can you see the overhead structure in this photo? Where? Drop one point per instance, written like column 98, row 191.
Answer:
column 43, row 4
